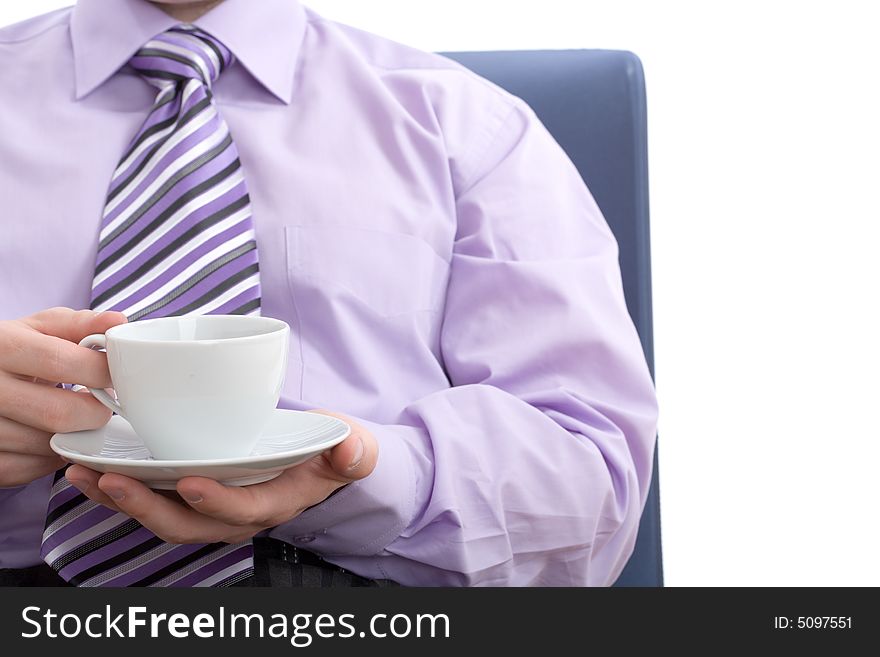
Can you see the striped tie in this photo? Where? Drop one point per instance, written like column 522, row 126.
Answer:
column 177, row 238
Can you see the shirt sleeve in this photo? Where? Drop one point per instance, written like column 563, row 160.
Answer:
column 8, row 493
column 533, row 467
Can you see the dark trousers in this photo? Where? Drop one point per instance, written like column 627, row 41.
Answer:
column 276, row 564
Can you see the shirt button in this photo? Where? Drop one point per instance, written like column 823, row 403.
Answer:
column 304, row 539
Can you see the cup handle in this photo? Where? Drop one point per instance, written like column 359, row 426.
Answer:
column 99, row 341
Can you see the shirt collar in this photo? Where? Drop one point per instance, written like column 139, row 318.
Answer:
column 265, row 40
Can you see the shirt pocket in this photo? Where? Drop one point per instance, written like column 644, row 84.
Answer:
column 383, row 273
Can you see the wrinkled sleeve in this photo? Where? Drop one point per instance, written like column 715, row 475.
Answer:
column 533, row 467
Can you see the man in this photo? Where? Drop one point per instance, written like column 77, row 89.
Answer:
column 451, row 287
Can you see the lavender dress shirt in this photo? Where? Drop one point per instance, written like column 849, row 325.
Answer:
column 448, row 279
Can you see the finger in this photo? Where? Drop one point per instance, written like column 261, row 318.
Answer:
column 50, row 409
column 86, row 481
column 22, row 439
column 262, row 505
column 73, row 325
column 170, row 521
column 21, row 469
column 53, row 359
column 33, row 379
column 232, row 505
column 356, row 456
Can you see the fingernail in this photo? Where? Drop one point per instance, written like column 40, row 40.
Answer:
column 358, row 454
column 115, row 494
column 193, row 498
column 82, row 486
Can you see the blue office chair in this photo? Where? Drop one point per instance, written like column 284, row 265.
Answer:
column 593, row 102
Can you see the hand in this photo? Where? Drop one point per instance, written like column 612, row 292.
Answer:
column 209, row 512
column 36, row 353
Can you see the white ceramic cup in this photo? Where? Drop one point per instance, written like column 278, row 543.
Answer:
column 195, row 387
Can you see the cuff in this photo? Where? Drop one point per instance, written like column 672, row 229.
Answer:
column 366, row 515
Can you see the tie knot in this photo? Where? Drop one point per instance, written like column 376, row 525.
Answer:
column 180, row 54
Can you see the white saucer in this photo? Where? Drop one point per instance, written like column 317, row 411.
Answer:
column 290, row 438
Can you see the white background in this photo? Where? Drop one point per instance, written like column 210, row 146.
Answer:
column 764, row 123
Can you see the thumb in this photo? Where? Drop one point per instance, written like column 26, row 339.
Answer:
column 356, row 456
column 73, row 325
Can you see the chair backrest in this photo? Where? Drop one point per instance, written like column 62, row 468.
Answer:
column 593, row 103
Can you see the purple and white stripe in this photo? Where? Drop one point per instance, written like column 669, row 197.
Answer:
column 177, row 238
column 178, row 205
